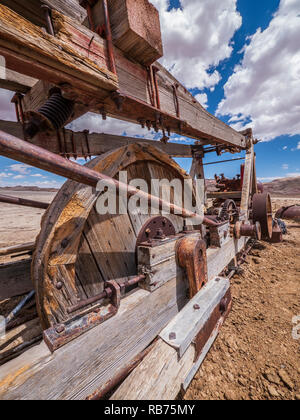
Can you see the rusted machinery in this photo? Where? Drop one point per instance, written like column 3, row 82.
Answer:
column 289, row 213
column 116, row 291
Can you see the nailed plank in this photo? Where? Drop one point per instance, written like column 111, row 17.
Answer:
column 82, row 366
column 15, row 279
column 99, row 143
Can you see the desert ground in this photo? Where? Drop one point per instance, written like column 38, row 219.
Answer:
column 255, row 355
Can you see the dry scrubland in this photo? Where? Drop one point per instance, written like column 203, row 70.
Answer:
column 255, row 356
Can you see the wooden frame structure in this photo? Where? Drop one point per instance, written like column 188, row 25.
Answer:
column 77, row 60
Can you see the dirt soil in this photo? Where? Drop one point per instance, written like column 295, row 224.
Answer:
column 255, row 356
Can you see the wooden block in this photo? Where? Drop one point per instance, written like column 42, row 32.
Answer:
column 135, row 28
column 159, row 263
column 219, row 235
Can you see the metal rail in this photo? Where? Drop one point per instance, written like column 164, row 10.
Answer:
column 22, row 202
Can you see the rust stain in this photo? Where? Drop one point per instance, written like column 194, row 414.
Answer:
column 8, row 381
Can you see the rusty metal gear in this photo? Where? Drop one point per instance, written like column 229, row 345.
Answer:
column 262, row 213
column 229, row 211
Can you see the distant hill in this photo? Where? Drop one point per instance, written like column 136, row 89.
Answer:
column 22, row 188
column 284, row 187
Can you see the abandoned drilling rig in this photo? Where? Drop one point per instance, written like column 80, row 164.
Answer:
column 127, row 302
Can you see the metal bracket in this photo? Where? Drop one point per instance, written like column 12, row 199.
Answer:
column 61, row 334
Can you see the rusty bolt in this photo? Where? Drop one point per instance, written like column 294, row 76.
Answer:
column 172, row 336
column 218, row 279
column 196, row 307
column 60, row 329
column 59, row 285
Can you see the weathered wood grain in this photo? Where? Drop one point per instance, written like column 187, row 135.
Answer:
column 31, row 9
column 158, row 377
column 84, row 365
column 15, row 279
column 39, row 50
column 99, row 143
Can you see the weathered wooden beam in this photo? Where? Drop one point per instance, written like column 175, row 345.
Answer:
column 31, row 9
column 76, row 370
column 69, row 60
column 16, row 82
column 233, row 195
column 27, row 46
column 75, row 143
column 15, row 279
column 17, row 248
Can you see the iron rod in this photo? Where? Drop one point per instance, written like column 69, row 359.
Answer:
column 23, row 202
column 17, row 149
column 222, row 161
column 19, row 307
column 110, row 47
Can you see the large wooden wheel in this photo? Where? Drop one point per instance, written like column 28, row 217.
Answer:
column 78, row 249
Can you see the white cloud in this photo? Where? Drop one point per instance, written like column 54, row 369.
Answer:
column 202, row 99
column 20, row 168
column 285, row 166
column 196, row 37
column 4, row 175
column 95, row 124
column 294, row 174
column 298, row 146
column 266, row 86
column 269, row 178
column 284, row 148
column 19, row 177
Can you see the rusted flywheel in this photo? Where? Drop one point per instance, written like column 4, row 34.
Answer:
column 79, row 250
column 262, row 213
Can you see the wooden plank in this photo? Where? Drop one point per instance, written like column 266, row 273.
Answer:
column 31, row 9
column 158, row 377
column 99, row 143
column 171, row 363
column 219, row 258
column 39, row 55
column 17, row 339
column 27, row 46
column 17, row 248
column 247, row 184
column 16, row 82
column 87, row 363
column 233, row 195
column 15, row 279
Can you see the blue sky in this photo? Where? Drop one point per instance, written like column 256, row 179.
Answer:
column 235, row 66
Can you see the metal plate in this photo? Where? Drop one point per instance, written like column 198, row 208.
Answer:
column 158, row 227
